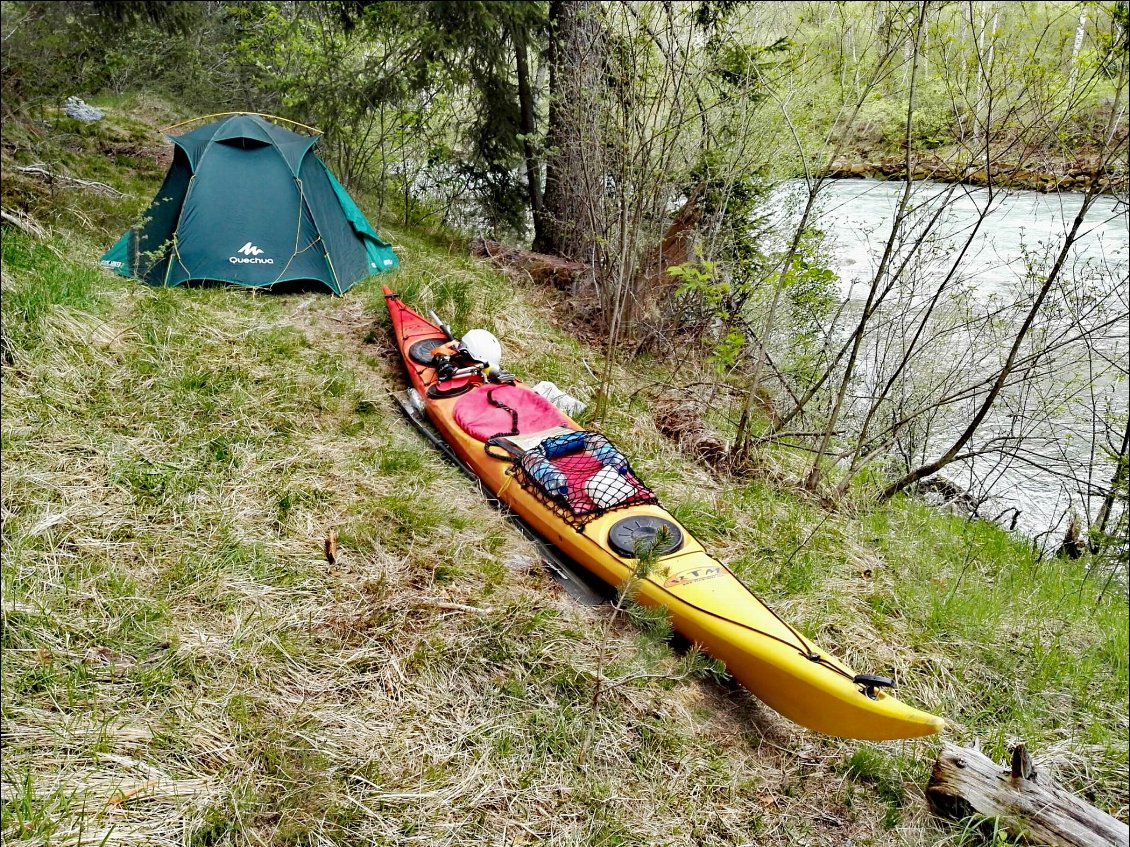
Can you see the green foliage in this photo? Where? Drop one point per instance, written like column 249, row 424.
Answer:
column 381, row 78
column 480, row 39
column 932, row 122
column 739, row 64
column 655, row 622
column 703, row 288
column 84, row 46
column 714, row 291
column 813, row 293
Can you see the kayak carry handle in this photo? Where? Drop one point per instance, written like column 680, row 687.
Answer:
column 872, row 682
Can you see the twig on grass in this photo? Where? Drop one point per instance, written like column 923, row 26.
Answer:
column 40, row 169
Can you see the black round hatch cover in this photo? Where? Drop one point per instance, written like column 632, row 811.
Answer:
column 421, row 351
column 645, row 533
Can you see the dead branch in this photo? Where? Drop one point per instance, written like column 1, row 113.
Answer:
column 1025, row 802
column 89, row 184
column 23, row 222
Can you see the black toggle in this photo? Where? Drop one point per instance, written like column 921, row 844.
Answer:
column 871, row 682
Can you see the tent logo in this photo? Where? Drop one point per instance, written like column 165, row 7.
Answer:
column 251, row 252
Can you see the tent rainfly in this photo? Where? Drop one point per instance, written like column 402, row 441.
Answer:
column 247, row 202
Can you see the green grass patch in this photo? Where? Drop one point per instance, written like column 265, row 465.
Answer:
column 175, row 461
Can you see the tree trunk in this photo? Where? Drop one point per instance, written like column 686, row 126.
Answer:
column 527, row 118
column 1025, row 803
column 1080, row 31
column 576, row 49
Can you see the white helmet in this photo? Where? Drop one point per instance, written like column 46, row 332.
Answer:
column 483, row 347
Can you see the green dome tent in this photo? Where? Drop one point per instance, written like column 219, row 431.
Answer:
column 247, row 202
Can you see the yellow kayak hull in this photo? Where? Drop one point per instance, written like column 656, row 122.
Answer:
column 707, row 603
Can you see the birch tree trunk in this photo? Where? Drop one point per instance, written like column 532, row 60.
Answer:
column 1080, row 31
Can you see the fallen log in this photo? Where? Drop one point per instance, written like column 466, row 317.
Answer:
column 1025, row 803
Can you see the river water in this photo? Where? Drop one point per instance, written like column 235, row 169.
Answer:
column 1061, row 448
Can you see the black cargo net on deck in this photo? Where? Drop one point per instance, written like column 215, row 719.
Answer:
column 580, row 476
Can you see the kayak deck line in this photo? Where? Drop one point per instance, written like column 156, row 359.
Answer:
column 708, row 604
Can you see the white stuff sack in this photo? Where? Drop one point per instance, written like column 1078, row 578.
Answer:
column 607, row 488
column 567, row 403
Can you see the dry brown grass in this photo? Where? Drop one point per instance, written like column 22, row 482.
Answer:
column 182, row 665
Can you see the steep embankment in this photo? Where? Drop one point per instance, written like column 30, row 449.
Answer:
column 183, row 665
column 1049, row 173
column 1023, row 152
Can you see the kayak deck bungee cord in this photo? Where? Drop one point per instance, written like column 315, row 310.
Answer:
column 577, row 492
column 579, row 584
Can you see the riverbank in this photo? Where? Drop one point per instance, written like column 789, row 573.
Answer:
column 1052, row 174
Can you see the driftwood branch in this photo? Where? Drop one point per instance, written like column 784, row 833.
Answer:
column 89, row 184
column 1026, row 803
column 23, row 222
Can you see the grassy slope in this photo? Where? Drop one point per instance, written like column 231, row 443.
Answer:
column 181, row 665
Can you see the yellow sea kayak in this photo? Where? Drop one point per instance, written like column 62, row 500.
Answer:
column 576, row 491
